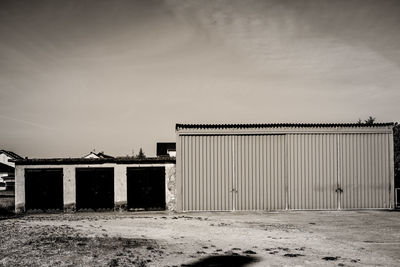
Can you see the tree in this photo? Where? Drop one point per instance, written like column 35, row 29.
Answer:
column 141, row 154
column 370, row 120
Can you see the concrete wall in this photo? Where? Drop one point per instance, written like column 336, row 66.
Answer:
column 69, row 188
column 19, row 189
column 120, row 186
column 120, row 190
column 170, row 186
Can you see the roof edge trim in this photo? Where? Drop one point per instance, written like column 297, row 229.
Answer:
column 180, row 126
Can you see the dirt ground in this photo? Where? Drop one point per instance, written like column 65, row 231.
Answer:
column 336, row 238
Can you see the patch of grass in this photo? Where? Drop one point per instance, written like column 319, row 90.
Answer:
column 27, row 245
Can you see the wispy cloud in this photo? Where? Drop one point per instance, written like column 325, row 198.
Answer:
column 31, row 123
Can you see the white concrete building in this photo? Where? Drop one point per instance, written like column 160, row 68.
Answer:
column 95, row 183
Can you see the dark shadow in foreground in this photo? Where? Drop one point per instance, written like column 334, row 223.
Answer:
column 223, row 261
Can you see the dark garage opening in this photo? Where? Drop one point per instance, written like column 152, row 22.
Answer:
column 94, row 188
column 44, row 189
column 146, row 188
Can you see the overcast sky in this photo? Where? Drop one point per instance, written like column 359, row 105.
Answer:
column 117, row 75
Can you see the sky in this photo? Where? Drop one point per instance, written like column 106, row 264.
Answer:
column 115, row 76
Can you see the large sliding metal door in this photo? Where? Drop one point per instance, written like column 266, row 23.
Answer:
column 312, row 171
column 259, row 172
column 228, row 172
column 299, row 171
column 207, row 172
column 364, row 171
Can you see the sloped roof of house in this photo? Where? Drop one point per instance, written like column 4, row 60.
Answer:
column 10, row 154
column 99, row 155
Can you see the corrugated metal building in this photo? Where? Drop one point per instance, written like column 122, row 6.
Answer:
column 284, row 166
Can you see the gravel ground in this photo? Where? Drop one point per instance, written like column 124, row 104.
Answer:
column 350, row 238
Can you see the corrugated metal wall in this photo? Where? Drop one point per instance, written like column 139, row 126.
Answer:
column 364, row 171
column 312, row 171
column 207, row 171
column 260, row 172
column 294, row 171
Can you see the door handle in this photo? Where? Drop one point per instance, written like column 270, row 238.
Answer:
column 233, row 190
column 339, row 190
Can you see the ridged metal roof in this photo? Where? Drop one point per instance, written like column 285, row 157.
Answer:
column 278, row 125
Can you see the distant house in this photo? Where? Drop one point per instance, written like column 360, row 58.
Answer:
column 166, row 149
column 100, row 155
column 7, row 177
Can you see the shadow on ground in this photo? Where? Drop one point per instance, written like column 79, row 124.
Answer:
column 223, row 261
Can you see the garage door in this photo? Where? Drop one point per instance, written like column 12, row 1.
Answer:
column 94, row 188
column 44, row 189
column 227, row 172
column 146, row 188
